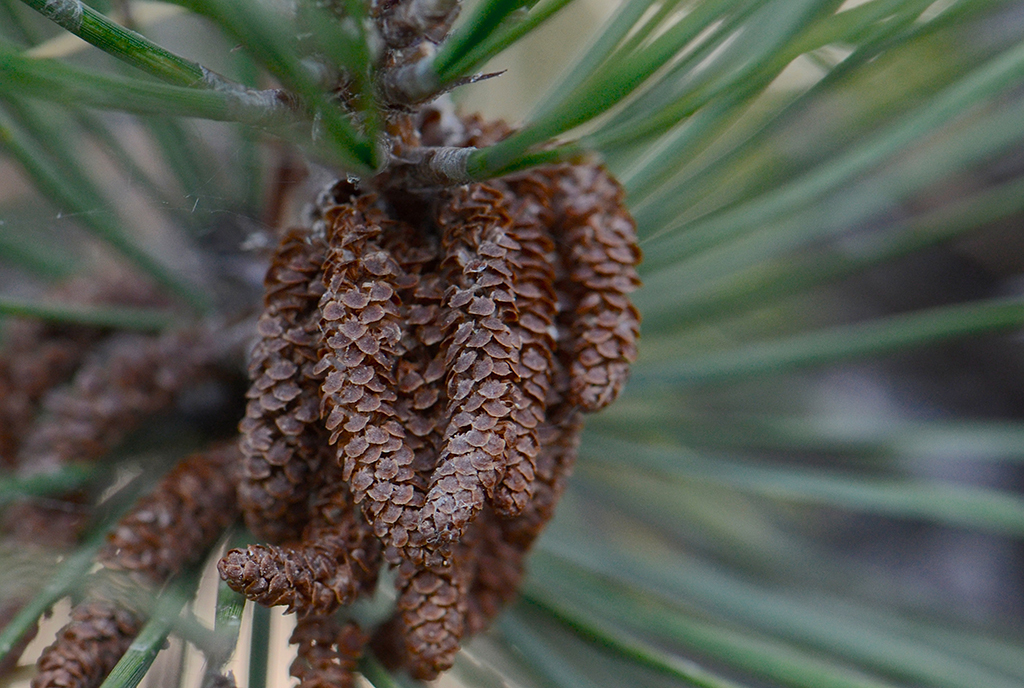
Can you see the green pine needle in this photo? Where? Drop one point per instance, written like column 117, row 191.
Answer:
column 125, row 44
column 832, row 345
column 132, row 667
column 122, row 317
column 983, row 509
column 66, row 479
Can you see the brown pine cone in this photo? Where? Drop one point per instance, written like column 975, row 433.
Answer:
column 419, row 377
column 337, row 560
column 328, row 652
column 420, row 408
column 282, row 439
column 597, row 237
column 497, row 575
column 489, row 425
column 128, row 378
column 535, row 266
column 38, row 355
column 88, row 648
column 179, row 520
column 432, row 610
column 560, row 447
column 362, row 343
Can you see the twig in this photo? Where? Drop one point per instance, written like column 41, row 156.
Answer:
column 427, row 167
column 415, row 19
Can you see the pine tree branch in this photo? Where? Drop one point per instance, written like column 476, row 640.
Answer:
column 137, row 50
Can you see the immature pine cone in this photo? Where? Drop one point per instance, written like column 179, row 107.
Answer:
column 362, row 342
column 419, row 378
column 179, row 520
column 598, row 240
column 490, row 424
column 336, row 561
column 432, row 610
column 87, row 649
column 282, row 439
column 328, row 652
column 537, row 303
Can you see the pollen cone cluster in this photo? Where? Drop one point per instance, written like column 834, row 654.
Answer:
column 38, row 356
column 71, row 393
column 418, row 385
column 168, row 529
column 88, row 647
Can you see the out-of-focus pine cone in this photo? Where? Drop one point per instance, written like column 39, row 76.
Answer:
column 498, row 572
column 362, row 343
column 432, row 610
column 39, row 355
column 489, row 424
column 560, row 447
column 179, row 520
column 328, row 652
column 87, row 649
column 337, row 560
column 36, row 358
column 128, row 378
column 597, row 237
column 282, row 440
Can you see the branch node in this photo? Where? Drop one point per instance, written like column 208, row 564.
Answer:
column 66, row 13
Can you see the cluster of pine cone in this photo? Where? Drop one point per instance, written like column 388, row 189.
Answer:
column 69, row 394
column 171, row 528
column 423, row 361
column 417, row 390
